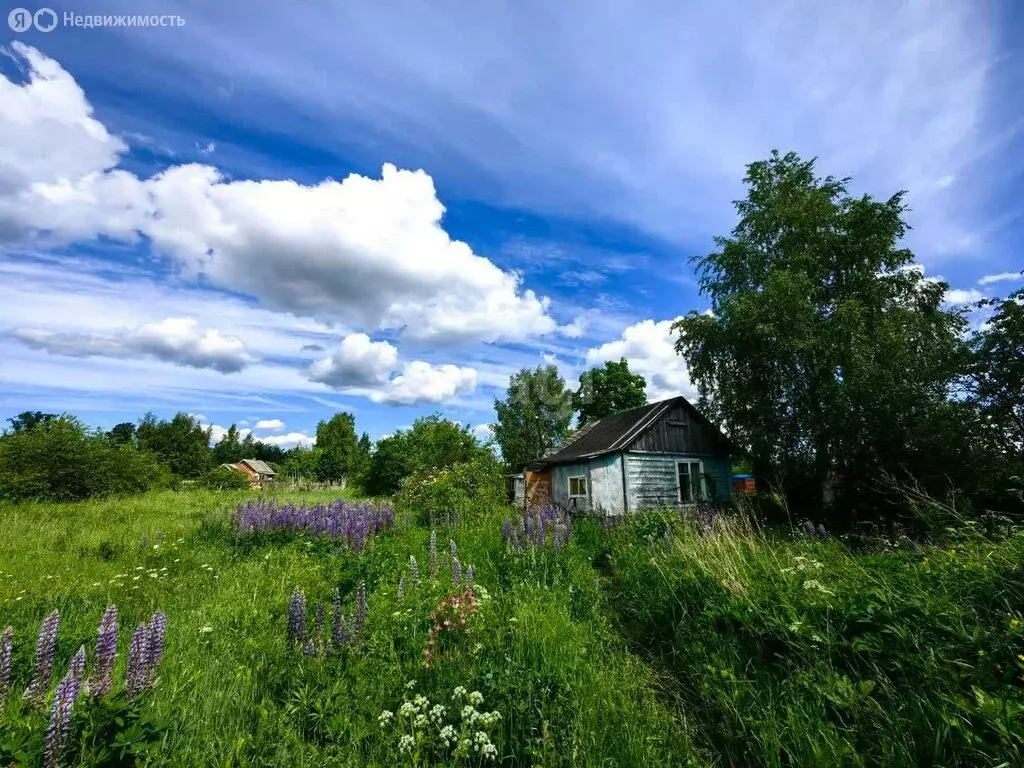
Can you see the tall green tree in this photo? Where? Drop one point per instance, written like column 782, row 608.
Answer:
column 390, row 462
column 301, row 462
column 229, row 449
column 122, row 434
column 826, row 350
column 607, row 390
column 996, row 373
column 533, row 417
column 27, row 420
column 339, row 447
column 181, row 444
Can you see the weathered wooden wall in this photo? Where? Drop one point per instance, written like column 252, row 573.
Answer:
column 560, row 475
column 652, row 479
column 679, row 430
column 606, row 491
column 538, row 489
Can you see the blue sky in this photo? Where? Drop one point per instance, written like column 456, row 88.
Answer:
column 269, row 215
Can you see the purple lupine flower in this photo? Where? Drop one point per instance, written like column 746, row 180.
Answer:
column 456, row 571
column 6, row 647
column 361, row 610
column 433, row 555
column 138, row 653
column 454, row 549
column 506, row 531
column 60, row 710
column 106, row 654
column 414, row 569
column 469, row 577
column 337, row 620
column 157, row 626
column 400, row 594
column 297, row 617
column 46, row 646
column 538, row 529
column 556, row 537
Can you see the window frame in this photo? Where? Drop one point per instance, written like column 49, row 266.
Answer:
column 586, row 486
column 703, row 490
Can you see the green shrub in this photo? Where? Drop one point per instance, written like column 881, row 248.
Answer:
column 443, row 494
column 224, row 479
column 61, row 461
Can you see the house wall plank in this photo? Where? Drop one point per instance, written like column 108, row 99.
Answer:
column 652, row 481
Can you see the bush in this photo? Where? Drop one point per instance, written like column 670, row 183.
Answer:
column 479, row 483
column 61, row 461
column 224, row 479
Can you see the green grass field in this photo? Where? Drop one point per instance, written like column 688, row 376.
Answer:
column 630, row 647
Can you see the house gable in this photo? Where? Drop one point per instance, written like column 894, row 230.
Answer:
column 681, row 428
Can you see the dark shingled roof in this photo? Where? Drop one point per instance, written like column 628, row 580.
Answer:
column 607, row 435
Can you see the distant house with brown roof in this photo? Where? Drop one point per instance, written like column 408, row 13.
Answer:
column 260, row 473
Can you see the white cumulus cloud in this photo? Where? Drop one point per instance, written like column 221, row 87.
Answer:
column 357, row 362
column 420, row 382
column 289, row 440
column 360, row 364
column 649, row 347
column 270, row 424
column 177, row 340
column 962, row 296
column 364, row 251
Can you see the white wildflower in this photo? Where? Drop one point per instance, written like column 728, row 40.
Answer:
column 459, row 693
column 476, row 698
column 405, row 743
column 407, row 709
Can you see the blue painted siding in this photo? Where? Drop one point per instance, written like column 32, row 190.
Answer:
column 560, row 475
column 606, row 484
column 652, row 479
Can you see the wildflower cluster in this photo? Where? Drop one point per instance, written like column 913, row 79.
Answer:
column 459, row 731
column 147, row 648
column 449, row 619
column 355, row 522
column 343, row 630
column 461, row 578
column 538, row 528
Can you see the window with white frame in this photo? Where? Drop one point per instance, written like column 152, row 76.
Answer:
column 690, row 474
column 578, row 487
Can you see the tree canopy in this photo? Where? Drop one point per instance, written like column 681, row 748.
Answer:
column 181, row 444
column 826, row 349
column 534, row 416
column 607, row 390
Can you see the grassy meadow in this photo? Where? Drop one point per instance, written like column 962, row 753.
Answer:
column 654, row 642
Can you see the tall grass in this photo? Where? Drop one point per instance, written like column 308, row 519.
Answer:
column 791, row 651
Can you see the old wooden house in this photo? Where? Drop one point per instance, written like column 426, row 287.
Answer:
column 260, row 473
column 664, row 454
